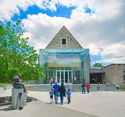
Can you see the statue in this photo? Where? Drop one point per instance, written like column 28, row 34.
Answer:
column 17, row 83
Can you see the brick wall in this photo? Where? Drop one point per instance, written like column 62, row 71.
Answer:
column 114, row 74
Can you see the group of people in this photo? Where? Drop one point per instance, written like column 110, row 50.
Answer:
column 59, row 91
column 85, row 86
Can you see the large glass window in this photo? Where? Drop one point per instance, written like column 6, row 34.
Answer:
column 124, row 76
column 60, row 60
column 72, row 62
column 76, row 60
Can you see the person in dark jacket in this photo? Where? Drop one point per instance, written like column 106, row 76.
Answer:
column 83, row 87
column 62, row 92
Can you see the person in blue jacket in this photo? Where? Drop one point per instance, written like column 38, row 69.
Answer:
column 68, row 96
column 56, row 87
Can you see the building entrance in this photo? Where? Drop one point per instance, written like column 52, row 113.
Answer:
column 65, row 76
column 95, row 78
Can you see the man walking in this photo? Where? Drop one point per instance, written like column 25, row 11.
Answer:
column 56, row 87
column 62, row 92
column 83, row 87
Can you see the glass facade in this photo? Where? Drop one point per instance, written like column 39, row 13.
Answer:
column 65, row 64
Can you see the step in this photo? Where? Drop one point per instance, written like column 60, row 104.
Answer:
column 73, row 88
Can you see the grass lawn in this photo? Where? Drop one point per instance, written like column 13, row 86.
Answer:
column 5, row 84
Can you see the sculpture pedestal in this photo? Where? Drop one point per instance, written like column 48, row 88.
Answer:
column 16, row 98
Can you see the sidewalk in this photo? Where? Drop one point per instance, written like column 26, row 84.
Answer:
column 101, row 104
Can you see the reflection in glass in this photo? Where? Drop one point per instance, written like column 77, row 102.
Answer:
column 76, row 60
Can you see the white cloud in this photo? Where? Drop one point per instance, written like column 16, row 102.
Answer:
column 104, row 8
column 42, row 28
column 102, row 32
column 93, row 49
column 114, row 51
column 10, row 7
column 120, row 60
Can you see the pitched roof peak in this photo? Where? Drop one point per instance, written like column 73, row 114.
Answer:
column 71, row 42
column 64, row 27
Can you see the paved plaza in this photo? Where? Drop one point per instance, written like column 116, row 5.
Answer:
column 94, row 104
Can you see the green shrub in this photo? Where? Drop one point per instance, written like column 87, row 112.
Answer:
column 121, row 90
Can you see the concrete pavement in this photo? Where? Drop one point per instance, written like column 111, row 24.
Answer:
column 101, row 103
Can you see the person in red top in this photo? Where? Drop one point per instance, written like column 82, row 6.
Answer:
column 88, row 86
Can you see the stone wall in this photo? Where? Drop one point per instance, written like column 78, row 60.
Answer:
column 114, row 74
column 71, row 42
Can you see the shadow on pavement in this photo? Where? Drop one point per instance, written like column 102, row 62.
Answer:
column 5, row 108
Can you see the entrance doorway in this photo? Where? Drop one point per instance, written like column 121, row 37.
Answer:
column 95, row 78
column 65, row 76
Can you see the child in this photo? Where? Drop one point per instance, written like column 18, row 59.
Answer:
column 98, row 87
column 68, row 96
column 51, row 95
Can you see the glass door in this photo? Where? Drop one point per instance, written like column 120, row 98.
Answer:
column 70, row 77
column 65, row 76
column 57, row 76
column 62, row 76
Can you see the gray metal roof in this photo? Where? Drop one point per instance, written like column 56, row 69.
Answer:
column 96, row 70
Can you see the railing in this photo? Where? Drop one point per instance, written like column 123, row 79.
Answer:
column 107, row 85
column 104, row 82
column 116, row 85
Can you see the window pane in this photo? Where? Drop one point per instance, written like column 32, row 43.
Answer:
column 124, row 76
column 63, row 41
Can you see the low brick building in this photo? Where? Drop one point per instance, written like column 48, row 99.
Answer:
column 115, row 74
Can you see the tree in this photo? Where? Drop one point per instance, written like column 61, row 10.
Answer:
column 16, row 55
column 98, row 65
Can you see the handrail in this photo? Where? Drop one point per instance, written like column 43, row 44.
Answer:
column 104, row 81
column 116, row 85
column 113, row 82
column 107, row 85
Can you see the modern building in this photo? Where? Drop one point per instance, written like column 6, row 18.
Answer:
column 64, row 58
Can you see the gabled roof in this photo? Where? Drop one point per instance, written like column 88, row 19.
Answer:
column 71, row 42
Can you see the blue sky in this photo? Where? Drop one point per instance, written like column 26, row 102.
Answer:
column 62, row 11
column 96, row 24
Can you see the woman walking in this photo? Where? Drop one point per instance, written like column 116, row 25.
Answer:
column 51, row 81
